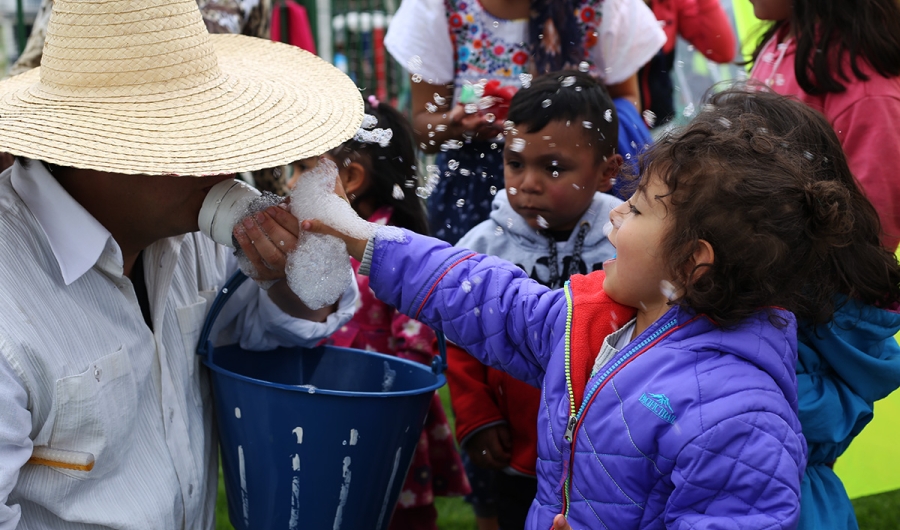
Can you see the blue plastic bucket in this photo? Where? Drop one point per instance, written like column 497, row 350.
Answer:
column 314, row 438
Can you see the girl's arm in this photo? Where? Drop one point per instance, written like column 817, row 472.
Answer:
column 627, row 89
column 486, row 305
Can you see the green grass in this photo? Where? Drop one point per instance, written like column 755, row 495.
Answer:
column 876, row 512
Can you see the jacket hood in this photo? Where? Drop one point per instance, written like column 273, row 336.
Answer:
column 858, row 344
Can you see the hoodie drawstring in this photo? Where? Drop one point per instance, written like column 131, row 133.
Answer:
column 556, row 281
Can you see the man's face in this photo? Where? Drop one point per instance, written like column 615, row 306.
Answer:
column 149, row 207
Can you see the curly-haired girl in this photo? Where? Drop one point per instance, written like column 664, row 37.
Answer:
column 669, row 394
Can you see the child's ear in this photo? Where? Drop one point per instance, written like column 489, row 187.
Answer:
column 608, row 169
column 703, row 255
column 354, row 179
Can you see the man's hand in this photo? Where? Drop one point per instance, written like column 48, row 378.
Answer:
column 267, row 238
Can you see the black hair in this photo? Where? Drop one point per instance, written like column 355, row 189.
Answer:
column 828, row 30
column 391, row 168
column 569, row 96
column 762, row 178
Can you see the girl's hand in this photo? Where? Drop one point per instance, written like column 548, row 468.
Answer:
column 475, row 124
column 560, row 523
column 267, row 238
column 355, row 247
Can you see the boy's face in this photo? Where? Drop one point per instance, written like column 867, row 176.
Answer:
column 551, row 175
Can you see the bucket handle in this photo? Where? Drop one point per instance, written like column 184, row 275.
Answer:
column 224, row 294
column 438, row 364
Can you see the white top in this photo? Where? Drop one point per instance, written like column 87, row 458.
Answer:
column 419, row 39
column 81, row 371
column 613, row 344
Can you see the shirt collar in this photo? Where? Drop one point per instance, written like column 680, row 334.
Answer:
column 76, row 237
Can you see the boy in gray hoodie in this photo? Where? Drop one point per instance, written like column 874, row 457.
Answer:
column 559, row 158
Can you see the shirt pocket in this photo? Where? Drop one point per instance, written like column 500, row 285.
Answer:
column 95, row 413
column 190, row 321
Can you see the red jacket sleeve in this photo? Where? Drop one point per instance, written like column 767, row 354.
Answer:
column 705, row 24
column 474, row 403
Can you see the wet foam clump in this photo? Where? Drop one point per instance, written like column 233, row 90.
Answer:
column 318, row 271
column 252, row 207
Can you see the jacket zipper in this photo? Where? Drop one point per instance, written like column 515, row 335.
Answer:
column 576, row 419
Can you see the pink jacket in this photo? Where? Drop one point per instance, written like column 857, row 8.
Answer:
column 866, row 117
column 703, row 23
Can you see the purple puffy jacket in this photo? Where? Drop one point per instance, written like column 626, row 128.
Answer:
column 690, row 426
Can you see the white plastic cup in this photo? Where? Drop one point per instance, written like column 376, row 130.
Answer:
column 222, row 208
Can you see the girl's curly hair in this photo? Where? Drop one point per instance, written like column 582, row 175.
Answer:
column 763, row 179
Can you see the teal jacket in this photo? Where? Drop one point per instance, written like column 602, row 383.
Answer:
column 843, row 368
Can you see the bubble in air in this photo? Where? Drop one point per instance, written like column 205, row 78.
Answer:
column 493, row 190
column 608, row 115
column 607, row 228
column 517, row 145
column 453, row 164
column 546, row 103
column 415, row 78
column 439, row 99
column 649, row 118
column 512, row 191
column 431, row 107
column 498, row 231
column 542, row 222
column 397, row 193
column 584, row 66
column 668, row 290
column 466, row 286
column 725, row 122
column 460, row 203
column 525, row 79
column 587, row 124
column 568, row 81
column 489, row 117
column 688, row 110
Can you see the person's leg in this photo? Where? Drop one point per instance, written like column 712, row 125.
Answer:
column 515, row 494
column 482, row 498
column 414, row 518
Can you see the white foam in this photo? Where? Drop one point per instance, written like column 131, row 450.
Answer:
column 318, row 271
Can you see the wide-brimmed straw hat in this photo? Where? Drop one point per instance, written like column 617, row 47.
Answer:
column 140, row 87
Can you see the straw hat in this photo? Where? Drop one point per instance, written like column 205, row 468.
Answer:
column 140, row 87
